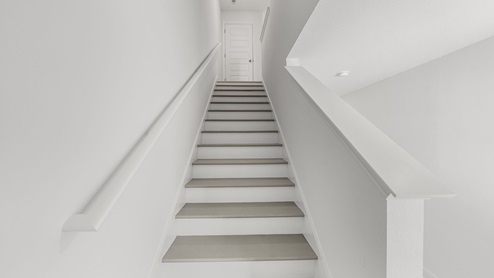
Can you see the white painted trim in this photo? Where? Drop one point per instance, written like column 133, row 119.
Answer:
column 224, row 46
column 94, row 214
column 169, row 233
column 265, row 22
column 385, row 193
column 404, row 238
column 428, row 274
column 313, row 237
column 395, row 171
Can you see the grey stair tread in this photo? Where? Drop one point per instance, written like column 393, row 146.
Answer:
column 240, row 90
column 228, row 248
column 239, row 131
column 239, row 120
column 249, row 161
column 239, row 210
column 240, row 110
column 240, row 96
column 236, row 183
column 240, row 145
column 239, row 102
column 244, row 89
column 240, row 84
column 237, row 81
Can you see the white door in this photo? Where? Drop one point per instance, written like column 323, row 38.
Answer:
column 238, row 52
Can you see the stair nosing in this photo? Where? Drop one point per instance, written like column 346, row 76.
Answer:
column 239, row 120
column 245, row 161
column 237, row 81
column 249, row 183
column 238, row 90
column 272, row 210
column 240, row 131
column 238, row 217
column 237, row 145
column 209, row 248
column 239, row 84
column 239, row 102
column 240, row 96
column 240, row 87
column 235, row 260
column 248, row 85
column 247, row 110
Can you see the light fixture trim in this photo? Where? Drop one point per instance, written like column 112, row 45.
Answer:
column 343, row 73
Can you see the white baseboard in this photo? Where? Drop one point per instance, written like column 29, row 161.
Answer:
column 428, row 274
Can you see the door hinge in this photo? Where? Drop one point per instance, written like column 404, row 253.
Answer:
column 224, row 31
column 224, row 55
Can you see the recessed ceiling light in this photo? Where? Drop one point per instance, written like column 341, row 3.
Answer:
column 344, row 73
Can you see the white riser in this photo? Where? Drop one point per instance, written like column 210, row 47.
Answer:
column 240, row 226
column 242, row 194
column 223, row 106
column 219, row 138
column 256, row 93
column 239, row 126
column 239, row 99
column 240, row 115
column 240, row 171
column 267, row 269
column 239, row 152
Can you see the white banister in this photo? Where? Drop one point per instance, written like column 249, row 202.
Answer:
column 395, row 170
column 94, row 214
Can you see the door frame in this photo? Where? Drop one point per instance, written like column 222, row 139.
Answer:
column 224, row 44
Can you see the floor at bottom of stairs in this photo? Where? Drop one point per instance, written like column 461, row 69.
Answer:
column 227, row 248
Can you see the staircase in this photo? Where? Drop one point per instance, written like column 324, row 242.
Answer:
column 239, row 220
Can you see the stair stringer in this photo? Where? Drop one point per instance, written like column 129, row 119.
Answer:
column 170, row 230
column 322, row 269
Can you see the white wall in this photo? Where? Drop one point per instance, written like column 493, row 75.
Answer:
column 346, row 208
column 254, row 18
column 441, row 112
column 380, row 38
column 80, row 83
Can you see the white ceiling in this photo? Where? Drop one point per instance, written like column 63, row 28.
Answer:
column 376, row 39
column 243, row 5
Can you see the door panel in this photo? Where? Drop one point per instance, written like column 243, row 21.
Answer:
column 238, row 52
